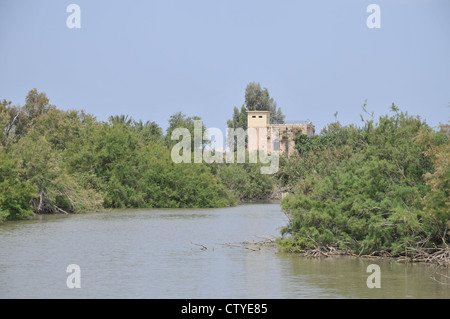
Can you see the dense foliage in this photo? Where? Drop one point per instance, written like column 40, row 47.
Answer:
column 382, row 187
column 246, row 181
column 54, row 161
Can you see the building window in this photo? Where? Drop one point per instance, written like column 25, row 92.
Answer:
column 254, row 116
column 260, row 116
column 276, row 145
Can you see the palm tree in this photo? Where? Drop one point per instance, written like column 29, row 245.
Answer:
column 120, row 119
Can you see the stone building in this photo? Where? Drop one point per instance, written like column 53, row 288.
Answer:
column 260, row 132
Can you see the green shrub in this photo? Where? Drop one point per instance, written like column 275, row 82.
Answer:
column 363, row 189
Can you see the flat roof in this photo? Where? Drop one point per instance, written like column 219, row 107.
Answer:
column 259, row 112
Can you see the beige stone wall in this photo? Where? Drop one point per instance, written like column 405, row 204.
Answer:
column 258, row 118
column 259, row 121
column 287, row 133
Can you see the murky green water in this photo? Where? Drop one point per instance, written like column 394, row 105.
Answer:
column 158, row 254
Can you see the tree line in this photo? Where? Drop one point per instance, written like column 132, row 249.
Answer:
column 55, row 161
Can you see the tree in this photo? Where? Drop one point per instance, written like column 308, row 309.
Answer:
column 245, row 181
column 120, row 119
column 239, row 118
column 437, row 200
column 37, row 104
column 15, row 193
column 5, row 122
column 148, row 131
column 180, row 120
column 17, row 120
column 256, row 99
column 57, row 191
column 12, row 122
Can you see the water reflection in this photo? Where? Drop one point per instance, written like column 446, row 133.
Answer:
column 180, row 253
column 345, row 277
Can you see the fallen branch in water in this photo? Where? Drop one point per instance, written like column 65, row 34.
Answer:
column 326, row 251
column 257, row 245
column 203, row 247
column 251, row 245
column 61, row 210
column 440, row 256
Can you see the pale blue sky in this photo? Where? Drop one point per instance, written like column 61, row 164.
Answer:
column 150, row 59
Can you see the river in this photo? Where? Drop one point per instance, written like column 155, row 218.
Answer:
column 188, row 253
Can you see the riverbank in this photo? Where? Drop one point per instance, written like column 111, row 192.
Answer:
column 438, row 256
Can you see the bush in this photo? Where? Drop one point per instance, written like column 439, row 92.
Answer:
column 245, row 181
column 364, row 189
column 15, row 194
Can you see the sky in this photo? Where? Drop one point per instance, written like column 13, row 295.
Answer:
column 151, row 59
